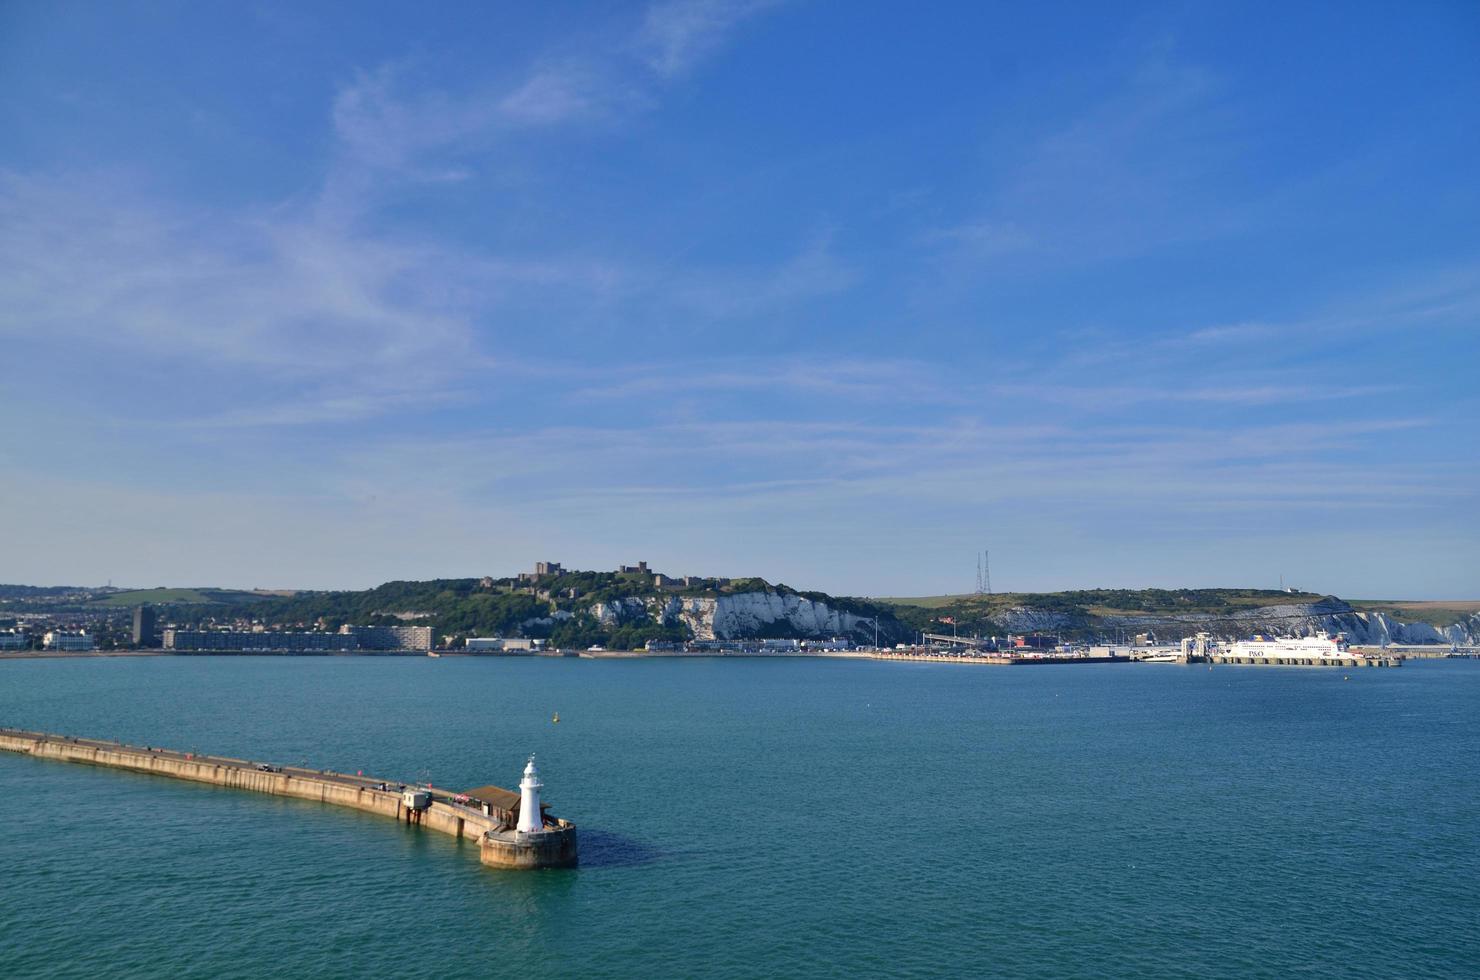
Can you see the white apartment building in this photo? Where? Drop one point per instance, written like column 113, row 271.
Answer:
column 57, row 640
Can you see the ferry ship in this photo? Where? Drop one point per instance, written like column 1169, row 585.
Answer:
column 1321, row 646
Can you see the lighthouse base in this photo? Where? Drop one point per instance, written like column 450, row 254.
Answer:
column 553, row 847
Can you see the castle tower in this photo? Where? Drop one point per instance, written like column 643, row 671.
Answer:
column 530, row 820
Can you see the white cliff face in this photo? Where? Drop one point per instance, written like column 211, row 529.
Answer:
column 1295, row 619
column 731, row 617
column 752, row 612
column 619, row 610
column 1020, row 619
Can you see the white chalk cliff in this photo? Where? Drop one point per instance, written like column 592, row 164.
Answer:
column 1291, row 619
column 741, row 616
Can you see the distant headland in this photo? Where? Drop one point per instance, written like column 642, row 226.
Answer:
column 637, row 608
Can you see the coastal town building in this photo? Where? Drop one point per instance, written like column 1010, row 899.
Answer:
column 71, row 642
column 14, row 640
column 144, row 622
column 349, row 639
column 265, row 641
column 494, row 644
column 391, row 637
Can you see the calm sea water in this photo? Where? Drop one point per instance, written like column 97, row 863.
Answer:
column 745, row 818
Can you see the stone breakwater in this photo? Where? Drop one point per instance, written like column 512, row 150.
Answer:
column 498, row 846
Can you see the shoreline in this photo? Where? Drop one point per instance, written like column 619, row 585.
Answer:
column 434, row 654
column 1435, row 652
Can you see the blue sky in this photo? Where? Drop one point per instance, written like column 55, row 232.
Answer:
column 307, row 295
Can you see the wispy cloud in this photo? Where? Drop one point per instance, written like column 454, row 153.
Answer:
column 814, row 271
column 677, row 34
column 1232, row 332
column 262, row 295
column 895, row 381
column 552, row 95
column 1123, row 174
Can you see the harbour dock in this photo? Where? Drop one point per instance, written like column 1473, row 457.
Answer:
column 995, row 659
column 507, row 837
column 1357, row 660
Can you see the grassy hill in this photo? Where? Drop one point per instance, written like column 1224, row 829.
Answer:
column 1114, row 600
column 1438, row 613
column 181, row 597
column 978, row 613
column 556, row 607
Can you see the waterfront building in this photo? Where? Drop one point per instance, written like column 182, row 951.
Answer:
column 390, row 637
column 488, row 644
column 349, row 639
column 144, row 620
column 268, row 641
column 14, row 640
column 72, row 642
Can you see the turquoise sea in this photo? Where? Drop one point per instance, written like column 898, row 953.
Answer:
column 758, row 818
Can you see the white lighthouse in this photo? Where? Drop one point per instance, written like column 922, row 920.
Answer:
column 530, row 820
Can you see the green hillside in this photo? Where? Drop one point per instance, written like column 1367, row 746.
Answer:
column 1439, row 613
column 164, row 596
column 977, row 613
column 554, row 607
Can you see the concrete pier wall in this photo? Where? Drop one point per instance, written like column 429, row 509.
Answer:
column 551, row 848
column 356, row 792
column 991, row 658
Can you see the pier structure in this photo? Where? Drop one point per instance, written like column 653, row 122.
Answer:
column 1356, row 660
column 931, row 655
column 489, row 814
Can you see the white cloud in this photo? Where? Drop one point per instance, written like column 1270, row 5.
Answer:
column 1232, row 332
column 554, row 95
column 1125, row 173
column 814, row 271
column 677, row 34
column 256, row 303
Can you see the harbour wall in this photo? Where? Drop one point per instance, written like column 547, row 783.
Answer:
column 990, row 658
column 550, row 848
column 355, row 792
